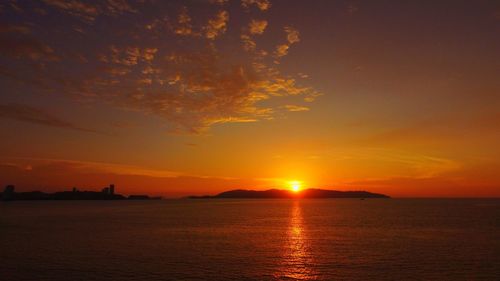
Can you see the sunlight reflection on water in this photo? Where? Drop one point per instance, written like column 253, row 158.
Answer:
column 297, row 259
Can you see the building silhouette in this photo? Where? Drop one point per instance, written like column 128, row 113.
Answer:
column 8, row 192
column 107, row 193
column 109, row 190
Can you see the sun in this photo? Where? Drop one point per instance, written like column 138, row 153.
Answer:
column 295, row 185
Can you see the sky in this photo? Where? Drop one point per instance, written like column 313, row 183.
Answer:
column 177, row 98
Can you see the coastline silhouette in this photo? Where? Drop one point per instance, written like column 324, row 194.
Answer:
column 107, row 193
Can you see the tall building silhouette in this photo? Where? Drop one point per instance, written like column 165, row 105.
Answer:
column 8, row 192
column 110, row 190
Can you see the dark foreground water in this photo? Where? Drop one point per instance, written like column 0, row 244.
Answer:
column 330, row 239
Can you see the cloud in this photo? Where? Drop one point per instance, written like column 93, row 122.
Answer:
column 292, row 37
column 282, row 50
column 85, row 11
column 262, row 5
column 220, row 2
column 16, row 42
column 118, row 7
column 202, row 91
column 257, row 26
column 11, row 28
column 88, row 12
column 87, row 167
column 248, row 43
column 35, row 115
column 168, row 64
column 183, row 25
column 128, row 56
column 296, row 108
column 204, row 94
column 217, row 25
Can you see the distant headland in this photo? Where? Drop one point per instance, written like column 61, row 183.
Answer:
column 306, row 193
column 107, row 193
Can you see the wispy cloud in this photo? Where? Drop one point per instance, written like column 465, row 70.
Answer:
column 292, row 37
column 38, row 116
column 291, row 107
column 257, row 26
column 16, row 42
column 90, row 11
column 183, row 26
column 262, row 5
column 76, row 8
column 217, row 25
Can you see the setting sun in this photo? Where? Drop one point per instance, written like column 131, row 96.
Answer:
column 295, row 185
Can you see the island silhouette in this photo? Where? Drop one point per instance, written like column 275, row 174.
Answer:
column 280, row 193
column 107, row 193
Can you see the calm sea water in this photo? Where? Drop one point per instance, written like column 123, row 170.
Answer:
column 325, row 239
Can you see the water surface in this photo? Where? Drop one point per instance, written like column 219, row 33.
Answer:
column 229, row 239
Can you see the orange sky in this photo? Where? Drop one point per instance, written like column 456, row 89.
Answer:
column 197, row 97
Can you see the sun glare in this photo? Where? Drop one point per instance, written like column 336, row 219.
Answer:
column 295, row 185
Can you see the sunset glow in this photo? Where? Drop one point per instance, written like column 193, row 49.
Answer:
column 197, row 97
column 249, row 140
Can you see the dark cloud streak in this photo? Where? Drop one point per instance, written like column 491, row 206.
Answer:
column 34, row 115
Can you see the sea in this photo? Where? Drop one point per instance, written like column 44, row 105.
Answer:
column 251, row 239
